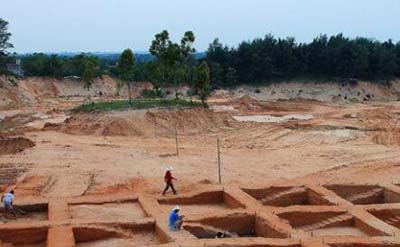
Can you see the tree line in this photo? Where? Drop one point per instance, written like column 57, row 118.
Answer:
column 259, row 60
column 334, row 57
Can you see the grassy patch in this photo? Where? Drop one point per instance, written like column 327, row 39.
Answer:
column 4, row 126
column 135, row 104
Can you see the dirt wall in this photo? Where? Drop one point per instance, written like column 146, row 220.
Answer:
column 24, row 236
column 13, row 145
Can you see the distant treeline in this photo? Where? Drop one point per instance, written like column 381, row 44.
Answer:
column 259, row 60
column 70, row 64
column 335, row 57
column 62, row 65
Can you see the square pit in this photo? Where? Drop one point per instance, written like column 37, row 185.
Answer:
column 286, row 196
column 21, row 237
column 365, row 194
column 364, row 244
column 113, row 211
column 26, row 214
column 121, row 236
column 328, row 223
column 203, row 203
column 238, row 225
column 389, row 216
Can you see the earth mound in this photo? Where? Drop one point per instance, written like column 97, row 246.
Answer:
column 148, row 123
column 13, row 145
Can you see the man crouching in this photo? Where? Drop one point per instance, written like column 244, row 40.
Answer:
column 8, row 201
column 175, row 220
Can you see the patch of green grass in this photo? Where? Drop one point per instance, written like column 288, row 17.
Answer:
column 7, row 125
column 135, row 104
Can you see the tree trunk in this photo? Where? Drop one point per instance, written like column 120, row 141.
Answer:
column 129, row 93
column 176, row 90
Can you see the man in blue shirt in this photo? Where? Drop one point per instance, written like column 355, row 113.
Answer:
column 8, row 201
column 175, row 220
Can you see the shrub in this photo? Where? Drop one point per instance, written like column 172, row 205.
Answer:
column 152, row 93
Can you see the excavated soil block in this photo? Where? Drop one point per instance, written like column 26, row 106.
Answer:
column 31, row 237
column 203, row 203
column 390, row 216
column 364, row 245
column 233, row 226
column 108, row 211
column 26, row 214
column 365, row 194
column 328, row 224
column 115, row 236
column 13, row 145
column 287, row 196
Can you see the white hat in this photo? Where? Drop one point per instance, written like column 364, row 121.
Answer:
column 176, row 208
column 169, row 168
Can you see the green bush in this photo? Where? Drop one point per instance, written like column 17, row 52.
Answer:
column 135, row 104
column 152, row 93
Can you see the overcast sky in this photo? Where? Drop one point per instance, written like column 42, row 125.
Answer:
column 105, row 25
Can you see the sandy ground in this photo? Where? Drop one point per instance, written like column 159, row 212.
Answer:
column 137, row 240
column 312, row 137
column 251, row 155
column 110, row 211
column 261, row 142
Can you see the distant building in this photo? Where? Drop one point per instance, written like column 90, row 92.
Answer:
column 15, row 67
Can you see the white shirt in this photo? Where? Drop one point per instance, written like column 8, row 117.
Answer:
column 8, row 198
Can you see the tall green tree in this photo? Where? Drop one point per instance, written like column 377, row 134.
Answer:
column 4, row 37
column 173, row 59
column 397, row 51
column 4, row 44
column 90, row 73
column 126, row 69
column 202, row 82
column 166, row 54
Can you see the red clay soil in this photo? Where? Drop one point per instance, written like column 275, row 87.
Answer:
column 300, row 176
column 255, row 224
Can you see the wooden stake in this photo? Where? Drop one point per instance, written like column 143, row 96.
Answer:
column 219, row 162
column 155, row 130
column 176, row 141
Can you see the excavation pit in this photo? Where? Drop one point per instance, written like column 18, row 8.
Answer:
column 364, row 244
column 238, row 225
column 24, row 237
column 120, row 236
column 365, row 194
column 287, row 196
column 26, row 214
column 389, row 216
column 202, row 203
column 328, row 223
column 125, row 211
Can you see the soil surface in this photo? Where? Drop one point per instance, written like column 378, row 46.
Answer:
column 262, row 141
column 109, row 211
column 280, row 134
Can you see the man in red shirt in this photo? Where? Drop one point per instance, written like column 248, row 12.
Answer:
column 168, row 181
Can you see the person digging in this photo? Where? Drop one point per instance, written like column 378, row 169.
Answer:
column 175, row 220
column 8, row 201
column 168, row 181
